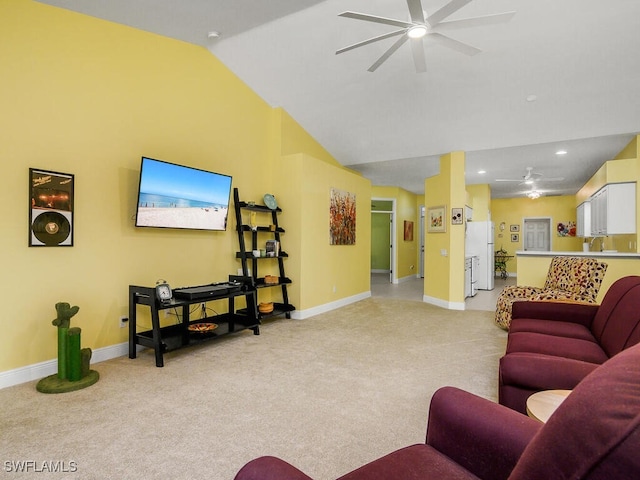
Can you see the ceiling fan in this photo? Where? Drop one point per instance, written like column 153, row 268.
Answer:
column 530, row 177
column 422, row 26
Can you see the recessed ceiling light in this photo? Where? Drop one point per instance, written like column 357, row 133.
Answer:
column 417, row 31
column 482, row 172
column 561, row 152
column 532, row 98
column 213, row 34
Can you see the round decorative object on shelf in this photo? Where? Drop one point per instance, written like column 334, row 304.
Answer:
column 265, row 307
column 270, row 201
column 202, row 327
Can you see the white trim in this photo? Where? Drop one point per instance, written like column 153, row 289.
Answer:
column 438, row 302
column 327, row 307
column 49, row 367
column 408, row 278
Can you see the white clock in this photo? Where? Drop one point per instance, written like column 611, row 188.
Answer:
column 163, row 291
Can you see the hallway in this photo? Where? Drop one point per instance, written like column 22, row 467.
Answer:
column 413, row 289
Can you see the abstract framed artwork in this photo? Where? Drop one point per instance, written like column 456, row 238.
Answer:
column 408, row 231
column 342, row 218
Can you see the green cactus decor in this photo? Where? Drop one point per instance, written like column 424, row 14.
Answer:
column 74, row 372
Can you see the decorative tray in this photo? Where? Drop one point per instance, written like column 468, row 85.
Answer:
column 202, row 327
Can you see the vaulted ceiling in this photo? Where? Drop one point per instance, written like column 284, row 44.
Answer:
column 560, row 75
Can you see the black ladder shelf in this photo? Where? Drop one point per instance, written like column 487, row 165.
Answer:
column 271, row 232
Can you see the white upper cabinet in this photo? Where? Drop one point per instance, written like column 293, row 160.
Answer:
column 613, row 210
column 583, row 223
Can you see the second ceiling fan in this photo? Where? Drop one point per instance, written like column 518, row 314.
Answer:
column 422, row 26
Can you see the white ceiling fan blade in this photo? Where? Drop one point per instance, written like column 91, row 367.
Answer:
column 415, row 10
column 375, row 19
column 450, row 8
column 417, row 48
column 476, row 21
column 454, row 44
column 371, row 40
column 389, row 52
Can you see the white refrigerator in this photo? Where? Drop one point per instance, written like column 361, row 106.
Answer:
column 479, row 243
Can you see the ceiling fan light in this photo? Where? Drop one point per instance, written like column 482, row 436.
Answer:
column 533, row 195
column 417, row 31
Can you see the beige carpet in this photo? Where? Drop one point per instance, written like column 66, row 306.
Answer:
column 327, row 394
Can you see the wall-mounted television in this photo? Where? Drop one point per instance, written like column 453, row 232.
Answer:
column 177, row 196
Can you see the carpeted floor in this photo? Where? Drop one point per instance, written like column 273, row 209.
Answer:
column 327, row 394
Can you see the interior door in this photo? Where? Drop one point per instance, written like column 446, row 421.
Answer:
column 537, row 234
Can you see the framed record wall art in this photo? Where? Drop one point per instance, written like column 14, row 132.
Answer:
column 50, row 209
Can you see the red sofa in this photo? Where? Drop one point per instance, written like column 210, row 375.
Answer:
column 593, row 435
column 554, row 345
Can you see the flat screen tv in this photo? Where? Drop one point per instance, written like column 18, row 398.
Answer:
column 177, row 196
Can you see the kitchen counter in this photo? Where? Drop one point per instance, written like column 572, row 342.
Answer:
column 603, row 254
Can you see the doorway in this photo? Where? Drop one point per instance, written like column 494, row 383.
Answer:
column 536, row 234
column 383, row 236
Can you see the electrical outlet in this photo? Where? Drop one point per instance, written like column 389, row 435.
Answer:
column 124, row 322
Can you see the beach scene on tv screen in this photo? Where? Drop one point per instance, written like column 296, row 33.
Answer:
column 174, row 196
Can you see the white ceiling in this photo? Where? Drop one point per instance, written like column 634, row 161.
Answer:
column 578, row 57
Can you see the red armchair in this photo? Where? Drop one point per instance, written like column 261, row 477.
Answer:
column 594, row 435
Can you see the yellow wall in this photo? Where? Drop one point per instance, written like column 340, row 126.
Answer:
column 296, row 139
column 406, row 251
column 444, row 252
column 90, row 97
column 631, row 150
column 324, row 273
column 479, row 198
column 513, row 211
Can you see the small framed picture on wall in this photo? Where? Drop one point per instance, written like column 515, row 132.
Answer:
column 436, row 219
column 515, row 237
column 457, row 217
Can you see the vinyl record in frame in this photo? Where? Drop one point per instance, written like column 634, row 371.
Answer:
column 50, row 209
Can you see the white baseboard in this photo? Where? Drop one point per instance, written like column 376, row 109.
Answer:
column 49, row 367
column 408, row 278
column 438, row 302
column 327, row 307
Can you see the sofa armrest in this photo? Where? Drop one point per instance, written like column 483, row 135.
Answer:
column 484, row 437
column 536, row 371
column 582, row 313
column 270, row 468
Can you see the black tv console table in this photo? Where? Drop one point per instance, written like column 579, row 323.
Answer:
column 171, row 337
